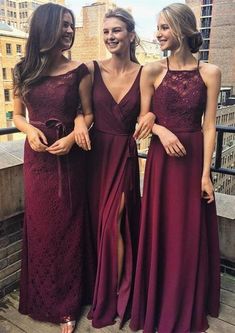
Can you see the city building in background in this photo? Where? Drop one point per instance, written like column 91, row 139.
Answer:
column 17, row 13
column 89, row 45
column 12, row 45
column 216, row 21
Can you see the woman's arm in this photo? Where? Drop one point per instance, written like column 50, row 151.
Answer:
column 212, row 77
column 146, row 118
column 84, row 120
column 36, row 137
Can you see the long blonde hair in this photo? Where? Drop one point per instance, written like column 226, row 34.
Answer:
column 183, row 24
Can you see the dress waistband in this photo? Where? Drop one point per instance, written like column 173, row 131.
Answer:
column 112, row 133
column 61, row 131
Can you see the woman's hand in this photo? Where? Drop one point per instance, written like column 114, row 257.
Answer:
column 61, row 146
column 207, row 189
column 81, row 133
column 36, row 138
column 169, row 140
column 145, row 125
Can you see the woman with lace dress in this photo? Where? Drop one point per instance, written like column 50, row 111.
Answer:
column 113, row 181
column 178, row 273
column 53, row 89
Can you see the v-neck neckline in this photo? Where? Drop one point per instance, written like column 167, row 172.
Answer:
column 128, row 91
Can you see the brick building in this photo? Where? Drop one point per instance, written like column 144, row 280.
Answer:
column 216, row 19
column 89, row 45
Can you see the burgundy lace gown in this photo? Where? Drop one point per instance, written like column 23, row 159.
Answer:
column 52, row 263
column 178, row 276
column 113, row 170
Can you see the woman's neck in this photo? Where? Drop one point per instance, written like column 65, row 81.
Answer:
column 119, row 63
column 182, row 58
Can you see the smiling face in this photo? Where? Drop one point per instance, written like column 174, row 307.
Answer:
column 165, row 37
column 67, row 32
column 117, row 39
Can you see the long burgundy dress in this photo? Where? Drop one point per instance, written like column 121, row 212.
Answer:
column 52, row 263
column 113, row 170
column 178, row 277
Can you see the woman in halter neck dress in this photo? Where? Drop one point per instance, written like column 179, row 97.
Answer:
column 52, row 88
column 113, row 189
column 178, row 275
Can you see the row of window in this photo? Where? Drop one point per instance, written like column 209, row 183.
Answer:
column 10, row 13
column 11, row 4
column 23, row 14
column 23, row 4
column 9, row 48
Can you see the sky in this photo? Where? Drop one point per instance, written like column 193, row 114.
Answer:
column 144, row 12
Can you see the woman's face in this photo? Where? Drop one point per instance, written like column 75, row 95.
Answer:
column 67, row 32
column 165, row 37
column 116, row 37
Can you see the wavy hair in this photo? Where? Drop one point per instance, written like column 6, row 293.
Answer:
column 128, row 19
column 44, row 34
column 183, row 24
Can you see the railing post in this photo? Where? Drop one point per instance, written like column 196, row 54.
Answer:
column 219, row 148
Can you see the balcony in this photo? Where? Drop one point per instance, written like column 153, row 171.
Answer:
column 11, row 217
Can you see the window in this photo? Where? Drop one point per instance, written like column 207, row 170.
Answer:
column 4, row 73
column 205, row 44
column 18, row 48
column 9, row 115
column 206, row 22
column 204, row 55
column 206, row 11
column 7, row 95
column 207, row 2
column 8, row 48
column 206, row 33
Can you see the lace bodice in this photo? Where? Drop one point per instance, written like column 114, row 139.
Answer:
column 180, row 100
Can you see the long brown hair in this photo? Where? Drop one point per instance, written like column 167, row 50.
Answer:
column 183, row 24
column 44, row 34
column 128, row 19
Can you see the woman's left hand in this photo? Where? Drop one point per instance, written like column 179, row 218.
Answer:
column 207, row 189
column 145, row 125
column 61, row 146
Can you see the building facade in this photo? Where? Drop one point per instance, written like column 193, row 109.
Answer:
column 12, row 45
column 216, row 20
column 17, row 13
column 88, row 43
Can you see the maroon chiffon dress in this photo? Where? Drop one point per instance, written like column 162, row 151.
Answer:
column 178, row 275
column 53, row 249
column 113, row 171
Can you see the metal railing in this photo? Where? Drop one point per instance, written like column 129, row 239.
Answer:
column 218, row 153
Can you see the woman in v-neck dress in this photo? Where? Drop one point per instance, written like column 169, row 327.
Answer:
column 113, row 180
column 178, row 268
